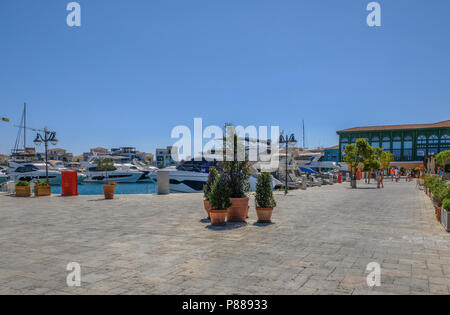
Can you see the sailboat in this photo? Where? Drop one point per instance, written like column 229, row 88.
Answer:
column 23, row 165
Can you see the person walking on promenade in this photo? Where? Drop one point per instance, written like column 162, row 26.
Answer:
column 380, row 175
column 392, row 173
column 377, row 176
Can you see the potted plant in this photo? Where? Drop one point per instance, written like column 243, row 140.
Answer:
column 108, row 190
column 441, row 192
column 23, row 189
column 237, row 168
column 213, row 173
column 264, row 198
column 219, row 198
column 42, row 188
column 445, row 215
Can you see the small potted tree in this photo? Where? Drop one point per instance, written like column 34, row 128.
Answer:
column 23, row 189
column 441, row 192
column 219, row 198
column 237, row 167
column 107, row 165
column 213, row 173
column 109, row 189
column 264, row 198
column 445, row 215
column 42, row 188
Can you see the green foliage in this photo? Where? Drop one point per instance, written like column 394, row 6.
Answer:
column 446, row 204
column 237, row 168
column 105, row 165
column 443, row 159
column 213, row 173
column 385, row 159
column 43, row 183
column 372, row 162
column 358, row 154
column 441, row 192
column 264, row 194
column 431, row 181
column 219, row 197
column 22, row 184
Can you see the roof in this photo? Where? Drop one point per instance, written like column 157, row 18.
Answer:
column 442, row 124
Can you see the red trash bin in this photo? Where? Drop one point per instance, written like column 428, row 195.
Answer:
column 340, row 178
column 69, row 183
column 358, row 175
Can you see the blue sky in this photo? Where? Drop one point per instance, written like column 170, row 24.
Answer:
column 135, row 69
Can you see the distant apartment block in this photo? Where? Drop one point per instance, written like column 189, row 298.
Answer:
column 164, row 156
column 58, row 154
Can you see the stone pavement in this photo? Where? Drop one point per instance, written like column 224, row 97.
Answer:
column 320, row 243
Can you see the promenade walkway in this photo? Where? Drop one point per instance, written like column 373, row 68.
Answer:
column 320, row 243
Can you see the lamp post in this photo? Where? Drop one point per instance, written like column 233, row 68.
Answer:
column 286, row 140
column 49, row 136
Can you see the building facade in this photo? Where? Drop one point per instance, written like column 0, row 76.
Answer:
column 58, row 154
column 331, row 154
column 164, row 157
column 409, row 144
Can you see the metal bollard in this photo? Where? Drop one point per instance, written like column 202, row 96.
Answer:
column 163, row 182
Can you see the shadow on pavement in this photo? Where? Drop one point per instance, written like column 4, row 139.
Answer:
column 227, row 226
column 263, row 224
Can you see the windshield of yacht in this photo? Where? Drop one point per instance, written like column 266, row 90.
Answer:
column 27, row 168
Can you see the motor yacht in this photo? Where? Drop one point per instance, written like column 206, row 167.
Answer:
column 31, row 172
column 188, row 177
column 119, row 174
column 3, row 177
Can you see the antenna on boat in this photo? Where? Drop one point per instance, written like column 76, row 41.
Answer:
column 304, row 143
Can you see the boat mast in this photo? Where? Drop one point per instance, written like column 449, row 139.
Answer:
column 24, row 127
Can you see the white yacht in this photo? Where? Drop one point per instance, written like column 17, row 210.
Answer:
column 3, row 177
column 146, row 169
column 119, row 174
column 188, row 177
column 28, row 171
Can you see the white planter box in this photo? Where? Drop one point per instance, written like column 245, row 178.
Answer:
column 445, row 219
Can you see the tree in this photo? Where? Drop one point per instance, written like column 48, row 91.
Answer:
column 219, row 196
column 238, row 170
column 355, row 155
column 372, row 163
column 443, row 159
column 385, row 159
column 264, row 193
column 213, row 174
column 105, row 165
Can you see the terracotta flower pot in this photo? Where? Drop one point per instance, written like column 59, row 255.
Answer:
column 207, row 206
column 23, row 191
column 238, row 210
column 264, row 215
column 40, row 191
column 218, row 217
column 437, row 211
column 109, row 191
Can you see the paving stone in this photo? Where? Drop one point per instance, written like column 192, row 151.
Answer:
column 320, row 243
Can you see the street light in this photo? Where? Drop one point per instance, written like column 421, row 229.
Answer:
column 49, row 136
column 286, row 140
